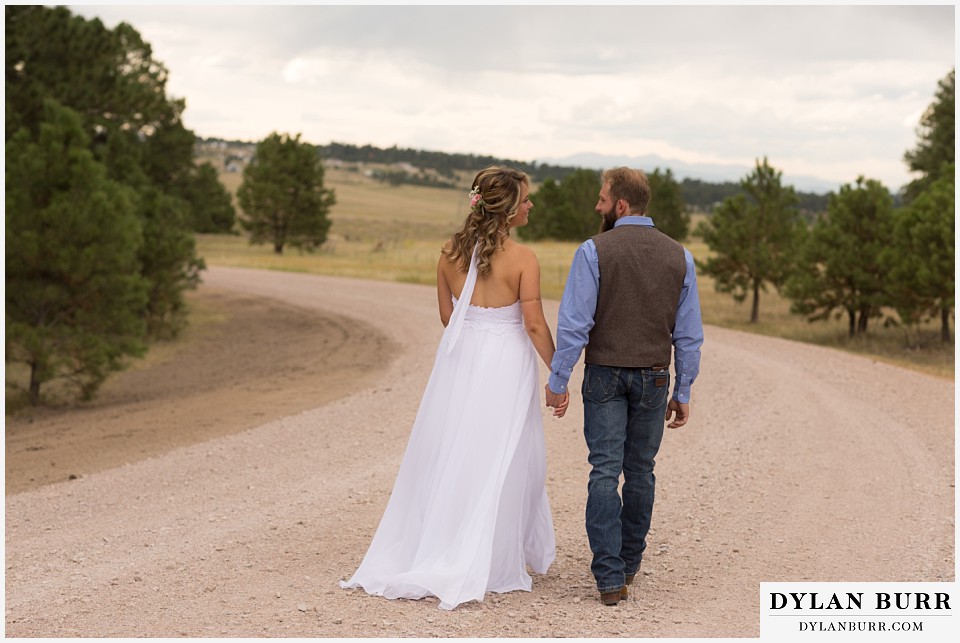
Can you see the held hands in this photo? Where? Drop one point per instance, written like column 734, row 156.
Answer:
column 557, row 401
column 682, row 412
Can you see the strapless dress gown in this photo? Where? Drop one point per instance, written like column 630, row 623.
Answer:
column 469, row 512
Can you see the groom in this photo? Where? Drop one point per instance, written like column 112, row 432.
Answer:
column 631, row 295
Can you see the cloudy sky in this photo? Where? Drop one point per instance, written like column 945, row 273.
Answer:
column 830, row 92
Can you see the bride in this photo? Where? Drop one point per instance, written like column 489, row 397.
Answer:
column 469, row 511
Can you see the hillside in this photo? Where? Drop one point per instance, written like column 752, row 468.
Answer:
column 401, row 166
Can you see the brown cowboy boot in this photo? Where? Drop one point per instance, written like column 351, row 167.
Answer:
column 611, row 597
column 624, row 592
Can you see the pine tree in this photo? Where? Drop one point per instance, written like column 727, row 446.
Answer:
column 920, row 260
column 936, row 145
column 212, row 209
column 666, row 205
column 282, row 194
column 110, row 78
column 838, row 266
column 74, row 295
column 752, row 235
column 565, row 211
column 167, row 260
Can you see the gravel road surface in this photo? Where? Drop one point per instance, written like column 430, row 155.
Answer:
column 799, row 464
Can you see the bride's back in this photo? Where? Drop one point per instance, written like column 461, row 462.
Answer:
column 501, row 287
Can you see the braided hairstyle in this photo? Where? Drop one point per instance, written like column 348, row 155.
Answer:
column 495, row 200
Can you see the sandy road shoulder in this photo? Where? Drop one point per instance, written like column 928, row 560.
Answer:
column 244, row 361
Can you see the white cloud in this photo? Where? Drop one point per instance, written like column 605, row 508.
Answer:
column 829, row 91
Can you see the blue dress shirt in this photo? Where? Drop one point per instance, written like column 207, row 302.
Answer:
column 579, row 305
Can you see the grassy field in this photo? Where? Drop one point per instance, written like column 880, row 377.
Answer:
column 395, row 234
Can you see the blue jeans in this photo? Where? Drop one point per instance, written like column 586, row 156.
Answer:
column 623, row 418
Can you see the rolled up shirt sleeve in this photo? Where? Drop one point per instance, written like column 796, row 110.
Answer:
column 687, row 334
column 576, row 317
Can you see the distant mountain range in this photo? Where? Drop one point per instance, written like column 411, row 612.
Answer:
column 707, row 172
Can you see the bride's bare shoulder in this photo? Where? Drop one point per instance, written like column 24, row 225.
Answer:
column 519, row 252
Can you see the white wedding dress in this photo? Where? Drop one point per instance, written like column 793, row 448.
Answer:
column 469, row 511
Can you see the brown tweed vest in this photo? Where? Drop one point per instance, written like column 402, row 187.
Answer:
column 641, row 276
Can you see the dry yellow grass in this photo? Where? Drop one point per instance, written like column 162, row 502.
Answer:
column 395, row 233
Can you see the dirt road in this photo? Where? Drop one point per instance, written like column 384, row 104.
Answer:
column 799, row 464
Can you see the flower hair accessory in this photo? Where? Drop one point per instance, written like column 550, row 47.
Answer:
column 476, row 199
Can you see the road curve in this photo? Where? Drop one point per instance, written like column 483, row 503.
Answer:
column 800, row 464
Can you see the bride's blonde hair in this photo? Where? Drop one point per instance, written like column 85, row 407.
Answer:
column 495, row 200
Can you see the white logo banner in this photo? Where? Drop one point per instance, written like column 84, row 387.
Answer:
column 858, row 611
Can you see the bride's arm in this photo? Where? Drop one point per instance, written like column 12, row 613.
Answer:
column 532, row 307
column 444, row 296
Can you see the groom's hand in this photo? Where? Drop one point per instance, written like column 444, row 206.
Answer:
column 557, row 401
column 680, row 410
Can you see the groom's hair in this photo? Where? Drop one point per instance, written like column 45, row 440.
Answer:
column 631, row 186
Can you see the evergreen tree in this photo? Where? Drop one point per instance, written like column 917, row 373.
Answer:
column 935, row 153
column 838, row 265
column 282, row 194
column 666, row 205
column 548, row 202
column 109, row 77
column 74, row 295
column 565, row 211
column 920, row 260
column 167, row 242
column 212, row 208
column 751, row 236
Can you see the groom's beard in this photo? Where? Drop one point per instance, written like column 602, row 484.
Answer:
column 609, row 219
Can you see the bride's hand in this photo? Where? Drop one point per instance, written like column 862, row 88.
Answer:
column 561, row 409
column 558, row 402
